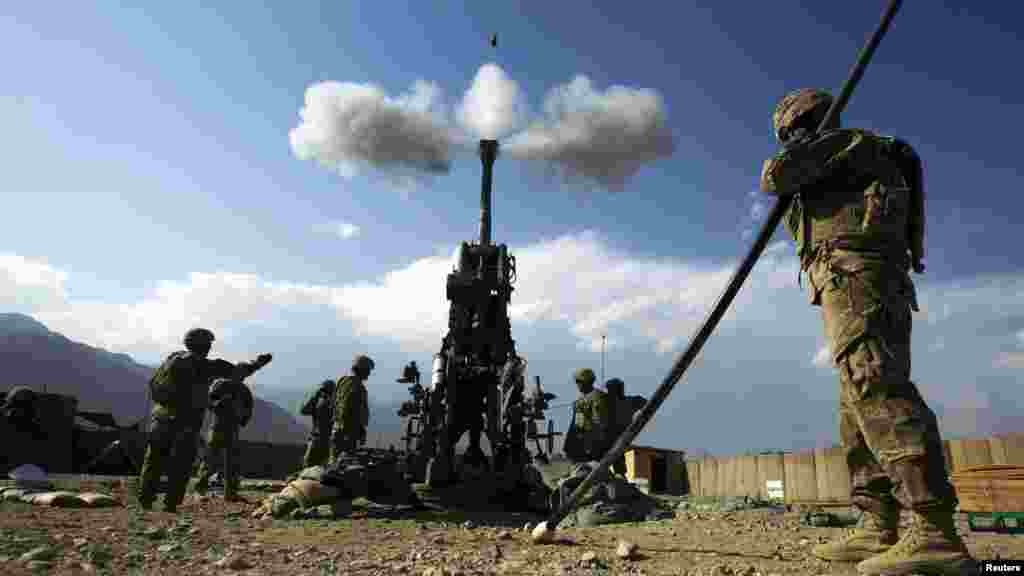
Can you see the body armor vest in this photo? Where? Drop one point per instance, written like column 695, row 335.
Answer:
column 869, row 199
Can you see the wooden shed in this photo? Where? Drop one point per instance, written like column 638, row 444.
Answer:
column 656, row 470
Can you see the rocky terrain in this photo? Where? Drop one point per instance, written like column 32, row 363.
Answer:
column 210, row 536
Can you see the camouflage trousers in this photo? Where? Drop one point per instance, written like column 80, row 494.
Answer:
column 318, row 450
column 171, row 450
column 222, row 455
column 890, row 436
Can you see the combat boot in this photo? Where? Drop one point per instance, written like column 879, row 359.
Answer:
column 931, row 545
column 876, row 534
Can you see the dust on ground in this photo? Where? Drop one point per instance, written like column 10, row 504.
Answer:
column 210, row 536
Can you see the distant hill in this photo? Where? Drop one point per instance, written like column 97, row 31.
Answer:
column 34, row 356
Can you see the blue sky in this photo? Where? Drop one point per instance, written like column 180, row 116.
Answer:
column 150, row 143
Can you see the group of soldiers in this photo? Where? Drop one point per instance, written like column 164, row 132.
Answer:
column 340, row 412
column 599, row 418
column 188, row 384
column 857, row 217
column 182, row 389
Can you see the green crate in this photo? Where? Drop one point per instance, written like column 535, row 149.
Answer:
column 998, row 522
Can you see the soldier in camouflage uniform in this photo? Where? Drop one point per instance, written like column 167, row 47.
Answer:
column 590, row 420
column 180, row 389
column 320, row 407
column 858, row 221
column 231, row 404
column 351, row 408
column 620, row 411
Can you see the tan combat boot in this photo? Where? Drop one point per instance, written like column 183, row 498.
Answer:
column 877, row 533
column 931, row 545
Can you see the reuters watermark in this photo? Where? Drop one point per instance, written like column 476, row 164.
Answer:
column 1001, row 567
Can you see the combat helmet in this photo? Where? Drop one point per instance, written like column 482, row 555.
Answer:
column 362, row 362
column 615, row 387
column 198, row 336
column 803, row 108
column 585, row 376
column 19, row 396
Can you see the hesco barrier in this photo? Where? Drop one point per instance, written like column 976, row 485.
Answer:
column 822, row 475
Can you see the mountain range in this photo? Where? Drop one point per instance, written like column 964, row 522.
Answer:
column 32, row 355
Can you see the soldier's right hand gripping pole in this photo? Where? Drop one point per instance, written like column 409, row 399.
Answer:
column 684, row 360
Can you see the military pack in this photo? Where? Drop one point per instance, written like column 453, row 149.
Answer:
column 857, row 191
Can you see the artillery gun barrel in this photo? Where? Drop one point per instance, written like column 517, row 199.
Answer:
column 488, row 152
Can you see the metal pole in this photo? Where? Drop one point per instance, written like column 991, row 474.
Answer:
column 684, row 360
column 603, row 337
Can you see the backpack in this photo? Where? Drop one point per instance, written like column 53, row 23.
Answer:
column 234, row 395
column 161, row 385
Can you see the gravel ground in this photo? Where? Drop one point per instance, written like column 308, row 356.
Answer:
column 209, row 536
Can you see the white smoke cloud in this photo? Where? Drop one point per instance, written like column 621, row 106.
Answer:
column 493, row 106
column 346, row 126
column 601, row 138
column 589, row 136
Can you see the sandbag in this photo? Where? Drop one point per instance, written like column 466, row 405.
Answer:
column 97, row 500
column 59, row 499
column 309, row 493
column 15, row 494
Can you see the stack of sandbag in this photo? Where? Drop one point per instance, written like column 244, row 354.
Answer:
column 371, row 474
column 612, row 501
column 297, row 495
column 58, row 498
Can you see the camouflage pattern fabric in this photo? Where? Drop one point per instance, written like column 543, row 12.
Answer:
column 222, row 448
column 171, row 449
column 321, row 408
column 351, row 415
column 610, row 502
column 855, row 251
column 591, row 420
column 177, row 419
column 621, row 411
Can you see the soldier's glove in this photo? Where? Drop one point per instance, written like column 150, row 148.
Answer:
column 264, row 359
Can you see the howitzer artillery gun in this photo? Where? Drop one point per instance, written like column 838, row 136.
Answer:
column 477, row 382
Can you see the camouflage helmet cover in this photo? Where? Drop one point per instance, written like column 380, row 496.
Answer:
column 584, row 376
column 795, row 105
column 197, row 335
column 362, row 361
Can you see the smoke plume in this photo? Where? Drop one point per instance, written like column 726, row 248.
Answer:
column 600, row 137
column 345, row 125
column 493, row 106
column 595, row 137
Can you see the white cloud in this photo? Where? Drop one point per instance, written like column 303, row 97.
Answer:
column 571, row 289
column 823, row 357
column 347, row 230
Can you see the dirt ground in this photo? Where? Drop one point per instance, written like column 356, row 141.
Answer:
column 213, row 537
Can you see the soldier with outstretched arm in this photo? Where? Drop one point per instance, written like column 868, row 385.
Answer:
column 858, row 221
column 180, row 394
